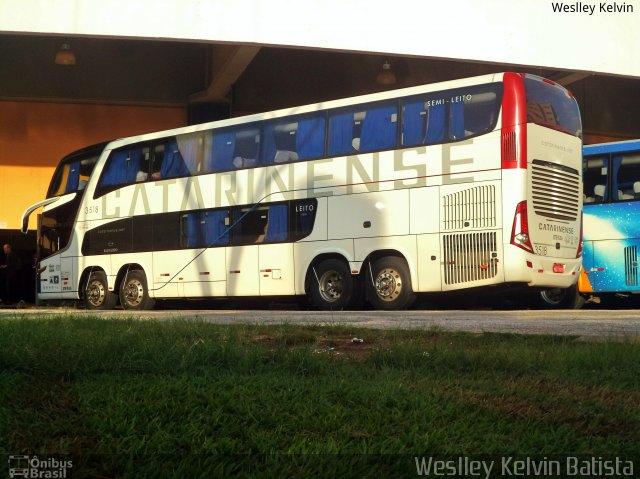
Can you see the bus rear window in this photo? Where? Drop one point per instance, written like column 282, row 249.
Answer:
column 551, row 106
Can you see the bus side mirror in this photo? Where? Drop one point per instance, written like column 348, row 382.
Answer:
column 25, row 216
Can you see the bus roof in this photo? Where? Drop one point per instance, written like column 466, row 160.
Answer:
column 615, row 147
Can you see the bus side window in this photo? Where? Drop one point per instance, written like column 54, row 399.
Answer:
column 157, row 155
column 310, row 137
column 145, row 164
column 73, row 177
column 247, row 147
column 167, row 161
column 423, row 121
column 364, row 128
column 203, row 229
column 341, row 133
column 235, row 148
column 595, row 179
column 277, row 224
column 280, row 142
column 300, row 138
column 413, row 123
column 166, row 231
column 626, row 176
column 378, row 130
column 261, row 225
column 122, row 168
column 191, row 149
column 250, row 225
column 224, row 143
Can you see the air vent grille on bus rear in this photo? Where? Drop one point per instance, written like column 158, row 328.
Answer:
column 555, row 191
column 631, row 265
column 471, row 208
column 469, row 257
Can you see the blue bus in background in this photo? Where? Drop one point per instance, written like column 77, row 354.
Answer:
column 611, row 219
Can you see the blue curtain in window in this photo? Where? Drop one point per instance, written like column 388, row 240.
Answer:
column 73, row 177
column 456, row 121
column 194, row 230
column 122, row 168
column 341, row 134
column 378, row 130
column 277, row 223
column 413, row 123
column 207, row 229
column 435, row 124
column 216, row 232
column 310, row 138
column 269, row 146
column 173, row 163
column 224, row 145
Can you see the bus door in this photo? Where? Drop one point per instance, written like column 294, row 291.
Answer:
column 55, row 226
column 48, row 246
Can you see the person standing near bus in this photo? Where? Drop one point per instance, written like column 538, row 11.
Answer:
column 9, row 270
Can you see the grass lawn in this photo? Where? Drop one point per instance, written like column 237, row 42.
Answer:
column 144, row 399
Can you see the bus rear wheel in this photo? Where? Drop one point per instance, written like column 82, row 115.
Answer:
column 389, row 286
column 560, row 298
column 332, row 285
column 134, row 294
column 96, row 294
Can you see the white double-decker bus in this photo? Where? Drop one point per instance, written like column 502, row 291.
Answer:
column 462, row 184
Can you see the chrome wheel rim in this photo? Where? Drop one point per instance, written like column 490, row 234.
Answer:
column 331, row 286
column 133, row 292
column 388, row 284
column 96, row 293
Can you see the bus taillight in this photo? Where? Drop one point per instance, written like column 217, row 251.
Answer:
column 520, row 229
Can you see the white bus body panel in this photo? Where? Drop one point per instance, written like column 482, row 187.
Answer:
column 276, row 269
column 242, row 271
column 205, row 275
column 369, row 215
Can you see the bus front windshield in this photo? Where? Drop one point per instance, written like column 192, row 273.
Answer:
column 551, row 106
column 73, row 172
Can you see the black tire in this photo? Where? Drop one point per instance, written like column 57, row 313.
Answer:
column 96, row 293
column 134, row 293
column 560, row 298
column 389, row 284
column 332, row 286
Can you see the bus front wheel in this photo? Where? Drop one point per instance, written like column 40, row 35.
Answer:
column 134, row 293
column 97, row 295
column 332, row 285
column 389, row 284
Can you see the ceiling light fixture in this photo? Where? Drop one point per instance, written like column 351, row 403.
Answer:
column 386, row 76
column 65, row 56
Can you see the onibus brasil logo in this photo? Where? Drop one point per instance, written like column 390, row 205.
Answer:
column 36, row 468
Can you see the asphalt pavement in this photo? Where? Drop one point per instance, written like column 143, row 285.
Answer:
column 585, row 323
